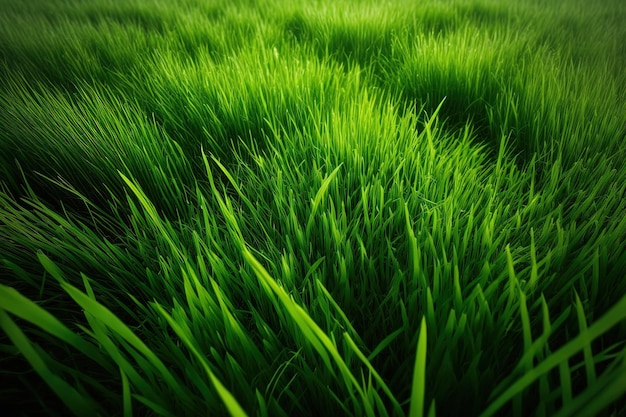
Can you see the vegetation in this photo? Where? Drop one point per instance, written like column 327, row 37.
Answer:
column 313, row 208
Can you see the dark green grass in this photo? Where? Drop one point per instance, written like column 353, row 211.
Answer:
column 329, row 208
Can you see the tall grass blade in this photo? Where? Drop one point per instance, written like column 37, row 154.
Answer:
column 418, row 386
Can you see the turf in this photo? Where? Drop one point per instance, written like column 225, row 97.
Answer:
column 313, row 208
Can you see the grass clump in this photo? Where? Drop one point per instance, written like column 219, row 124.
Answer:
column 312, row 209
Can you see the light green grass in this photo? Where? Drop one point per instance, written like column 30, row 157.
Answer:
column 312, row 208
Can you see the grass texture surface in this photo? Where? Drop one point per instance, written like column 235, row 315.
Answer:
column 293, row 208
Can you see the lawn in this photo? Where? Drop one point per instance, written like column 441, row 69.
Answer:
column 326, row 208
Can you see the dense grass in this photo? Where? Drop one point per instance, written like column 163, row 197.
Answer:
column 312, row 208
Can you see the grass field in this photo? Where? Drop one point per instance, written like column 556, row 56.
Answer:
column 293, row 208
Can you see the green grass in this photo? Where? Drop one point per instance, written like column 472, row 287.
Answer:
column 312, row 208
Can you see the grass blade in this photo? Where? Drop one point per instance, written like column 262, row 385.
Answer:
column 418, row 387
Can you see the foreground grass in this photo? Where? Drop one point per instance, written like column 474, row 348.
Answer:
column 291, row 209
